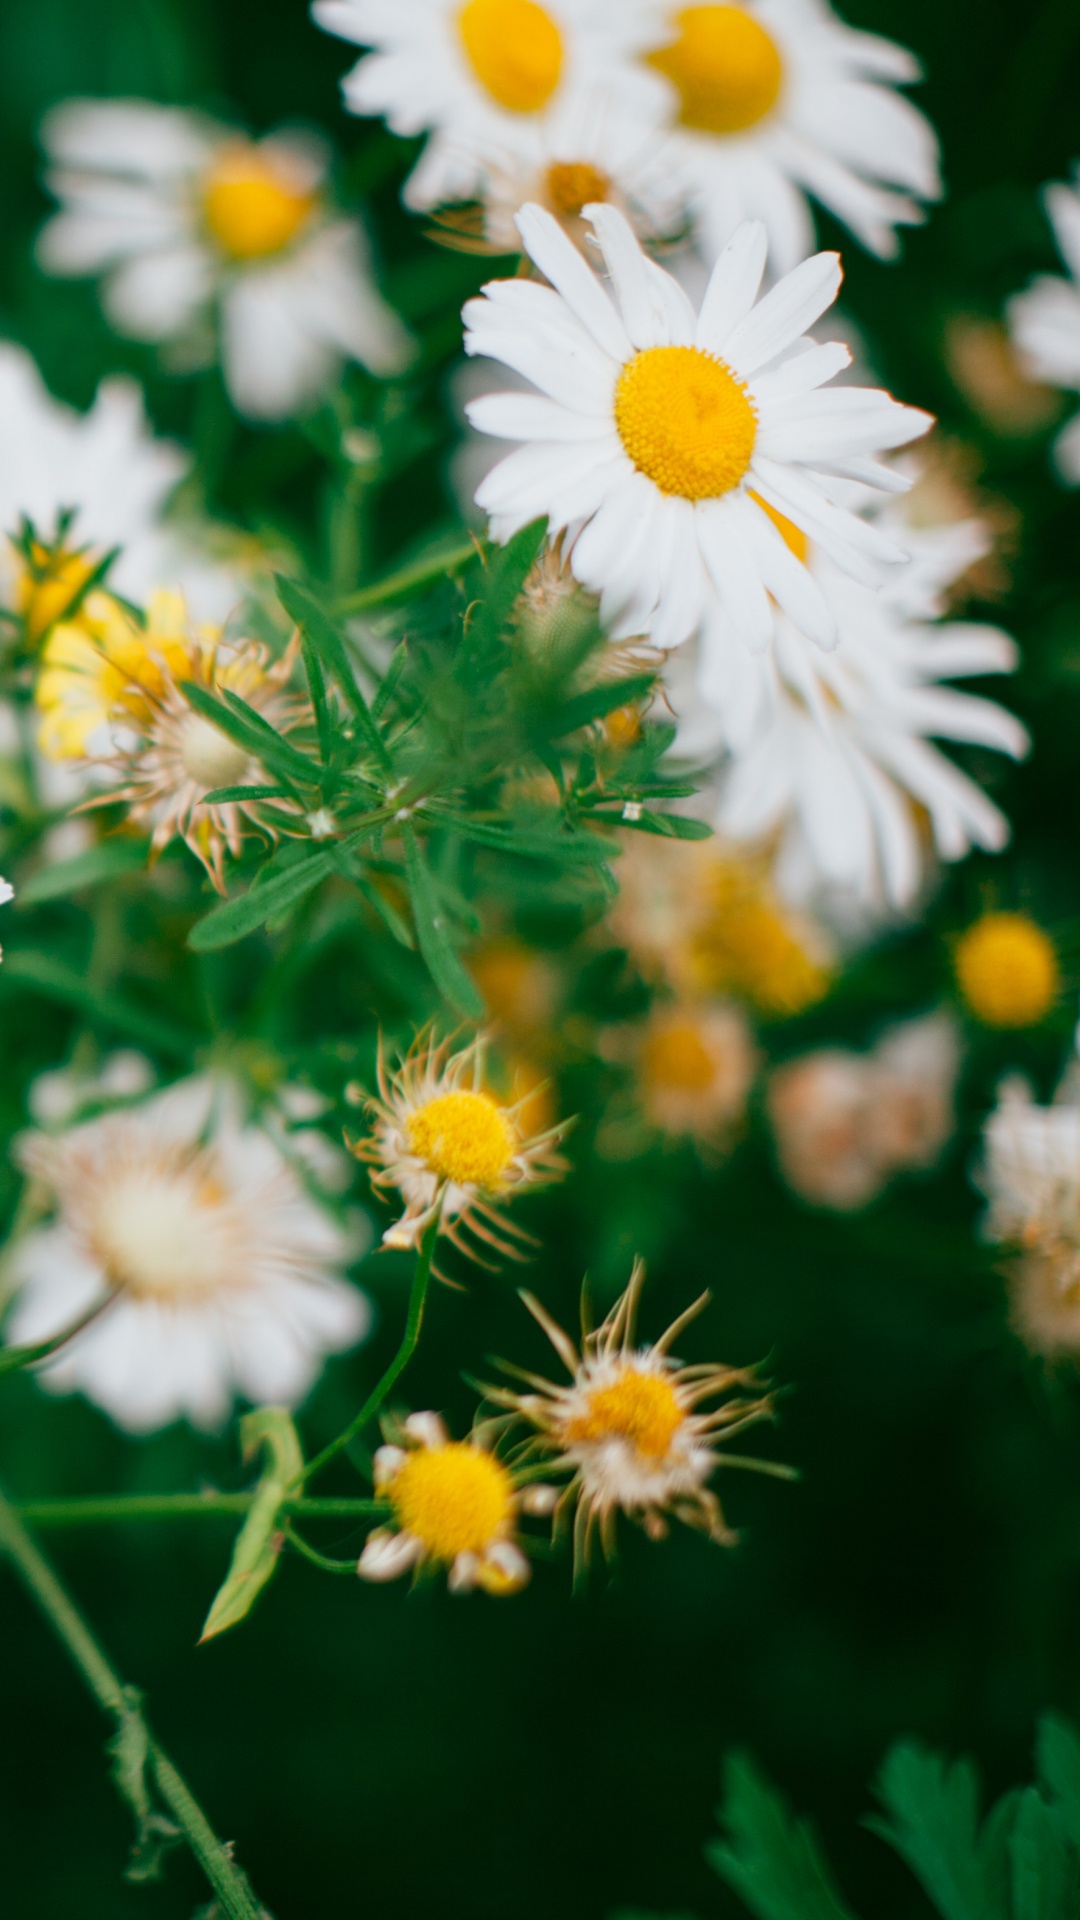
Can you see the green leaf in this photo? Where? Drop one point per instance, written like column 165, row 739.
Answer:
column 233, row 919
column 934, row 1826
column 221, row 796
column 439, row 562
column 530, row 843
column 508, row 568
column 1057, row 1752
column 770, row 1859
column 443, row 964
column 669, row 826
column 41, row 972
column 995, row 1857
column 595, row 702
column 1042, row 1872
column 12, row 1359
column 318, row 634
column 109, row 860
column 258, row 1543
column 233, row 717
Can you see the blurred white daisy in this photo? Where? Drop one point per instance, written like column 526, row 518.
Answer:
column 773, row 100
column 223, row 1269
column 1045, row 321
column 1031, row 1175
column 491, row 80
column 632, row 1428
column 661, row 439
column 200, row 231
column 108, row 471
column 831, row 753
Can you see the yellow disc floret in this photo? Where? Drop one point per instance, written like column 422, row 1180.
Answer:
column 465, row 1137
column 685, row 421
column 726, row 69
column 639, row 1407
column 1008, row 970
column 252, row 208
column 570, row 185
column 515, row 50
column 454, row 1499
column 675, row 1057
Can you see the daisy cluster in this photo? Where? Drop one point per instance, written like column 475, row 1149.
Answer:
column 709, row 637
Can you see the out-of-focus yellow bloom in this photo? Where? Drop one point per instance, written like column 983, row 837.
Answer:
column 1007, row 970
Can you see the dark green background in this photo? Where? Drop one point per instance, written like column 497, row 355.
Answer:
column 376, row 1753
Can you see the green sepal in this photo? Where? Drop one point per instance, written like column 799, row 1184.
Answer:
column 258, row 1543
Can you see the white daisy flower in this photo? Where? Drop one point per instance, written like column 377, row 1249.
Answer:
column 832, row 752
column 221, row 1267
column 1045, row 321
column 106, row 467
column 660, row 438
column 774, row 100
column 196, row 227
column 1031, row 1176
column 489, row 79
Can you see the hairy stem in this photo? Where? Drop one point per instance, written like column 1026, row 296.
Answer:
column 121, row 1702
column 409, row 1339
column 95, row 1509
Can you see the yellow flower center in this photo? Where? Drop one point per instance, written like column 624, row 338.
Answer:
column 49, row 587
column 209, row 756
column 515, row 50
column 251, row 206
column 685, row 420
column 465, row 1137
column 1008, row 970
column 570, row 185
column 642, row 1408
column 746, row 944
column 793, row 537
column 726, row 69
column 454, row 1498
column 674, row 1056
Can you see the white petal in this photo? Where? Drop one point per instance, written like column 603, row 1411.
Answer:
column 733, row 287
column 387, row 1555
column 641, row 303
column 785, row 314
column 734, row 573
column 557, row 257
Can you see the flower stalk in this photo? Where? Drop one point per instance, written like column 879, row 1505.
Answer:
column 122, row 1703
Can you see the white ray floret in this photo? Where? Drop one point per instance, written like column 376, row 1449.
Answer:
column 214, row 243
column 1045, row 321
column 659, row 437
column 488, row 79
column 772, row 101
column 106, row 467
column 832, row 753
column 216, row 1270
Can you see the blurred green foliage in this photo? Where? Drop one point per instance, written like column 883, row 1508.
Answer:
column 372, row 1751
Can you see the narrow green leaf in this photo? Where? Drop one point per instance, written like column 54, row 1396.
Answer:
column 1043, row 1875
column 995, row 1858
column 442, row 961
column 258, row 1543
column 41, row 972
column 529, row 843
column 318, row 633
column 1057, row 1754
column 595, row 702
column 771, row 1859
column 221, row 796
column 669, row 826
column 934, row 1825
column 439, row 562
column 109, row 860
column 12, row 1359
column 231, row 921
column 508, row 568
column 233, row 717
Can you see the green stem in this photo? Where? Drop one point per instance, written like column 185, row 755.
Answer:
column 317, row 1559
column 400, row 1361
column 179, row 1506
column 111, row 1694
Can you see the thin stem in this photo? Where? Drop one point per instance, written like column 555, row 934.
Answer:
column 420, row 573
column 400, row 1361
column 179, row 1506
column 772, row 1468
column 111, row 1694
column 317, row 1559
